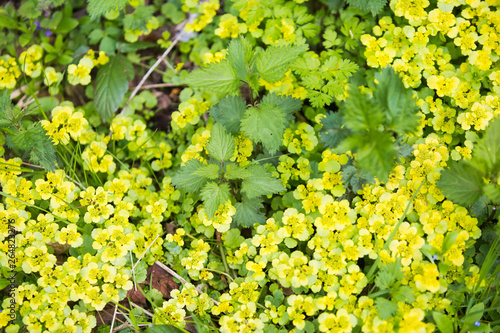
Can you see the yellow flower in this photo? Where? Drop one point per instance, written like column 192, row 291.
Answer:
column 229, row 27
column 80, row 74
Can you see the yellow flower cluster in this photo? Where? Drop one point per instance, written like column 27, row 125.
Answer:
column 9, row 72
column 189, row 112
column 287, row 86
column 199, row 142
column 80, row 74
column 207, row 11
column 229, row 27
column 243, row 149
column 464, row 97
column 29, row 61
column 65, row 123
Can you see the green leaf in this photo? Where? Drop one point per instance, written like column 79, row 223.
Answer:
column 461, row 183
column 443, row 322
column 276, row 60
column 111, row 86
column 261, row 183
column 248, row 212
column 221, row 144
column 233, row 239
column 139, row 18
column 486, row 154
column 360, row 112
column 97, row 8
column 234, row 171
column 4, row 283
column 187, row 180
column 391, row 94
column 355, row 178
column 385, row 308
column 374, row 152
column 404, row 294
column 286, row 103
column 229, row 112
column 239, row 54
column 333, row 131
column 220, row 78
column 492, row 192
column 24, row 39
column 389, row 274
column 266, row 125
column 472, row 318
column 162, row 329
column 38, row 144
column 210, row 171
column 66, row 25
column 373, row 6
column 7, row 116
column 213, row 195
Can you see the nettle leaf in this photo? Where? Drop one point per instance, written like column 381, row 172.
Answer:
column 210, row 171
column 266, row 125
column 286, row 103
column 486, row 155
column 333, row 131
column 229, row 112
column 374, row 152
column 385, row 308
column 139, row 18
column 239, row 55
column 234, row 171
column 38, row 144
column 404, row 294
column 97, row 8
column 373, row 6
column 461, row 183
column 6, row 109
column 391, row 94
column 213, row 195
column 360, row 112
column 248, row 212
column 275, row 61
column 111, row 85
column 186, row 178
column 260, row 183
column 220, row 78
column 221, row 144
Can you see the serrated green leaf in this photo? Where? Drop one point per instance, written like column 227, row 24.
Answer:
column 286, row 103
column 443, row 322
column 111, row 86
column 374, row 152
column 275, row 61
column 461, row 183
column 355, row 178
column 210, row 171
column 361, row 113
column 221, row 144
column 97, row 8
column 373, row 6
column 6, row 112
column 265, row 125
column 239, row 55
column 392, row 96
column 492, row 192
column 385, row 308
column 248, row 212
column 229, row 112
column 187, row 180
column 319, row 99
column 389, row 274
column 38, row 144
column 333, row 131
column 404, row 294
column 220, row 78
column 260, row 183
column 486, row 154
column 213, row 195
column 234, row 171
